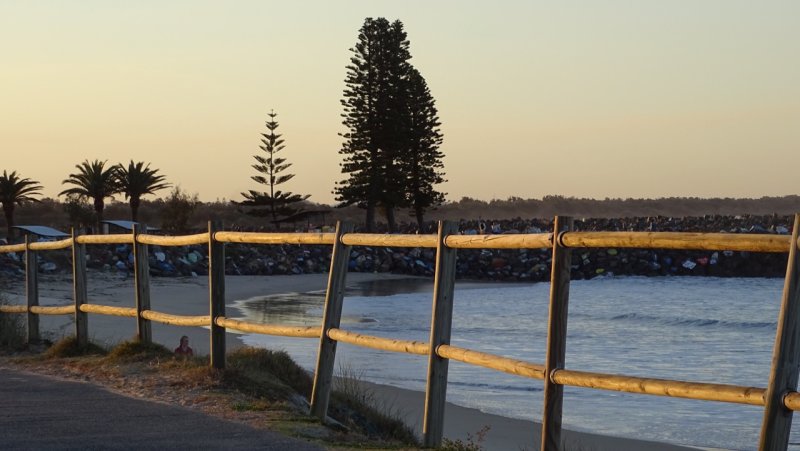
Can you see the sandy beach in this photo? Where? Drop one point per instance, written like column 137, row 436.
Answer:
column 189, row 296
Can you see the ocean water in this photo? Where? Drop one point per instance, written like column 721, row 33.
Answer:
column 695, row 329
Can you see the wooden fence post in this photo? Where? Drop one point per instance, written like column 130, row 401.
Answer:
column 31, row 290
column 141, row 281
column 785, row 356
column 441, row 321
column 216, row 290
column 79, row 292
column 334, row 298
column 556, row 336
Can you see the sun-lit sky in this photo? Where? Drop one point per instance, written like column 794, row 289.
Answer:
column 591, row 99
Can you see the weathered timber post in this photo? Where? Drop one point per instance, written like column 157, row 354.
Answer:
column 441, row 321
column 216, row 290
column 31, row 290
column 556, row 336
column 332, row 314
column 141, row 281
column 79, row 292
column 785, row 356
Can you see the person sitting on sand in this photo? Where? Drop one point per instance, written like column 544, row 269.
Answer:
column 184, row 348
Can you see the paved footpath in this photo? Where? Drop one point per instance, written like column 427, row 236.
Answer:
column 40, row 412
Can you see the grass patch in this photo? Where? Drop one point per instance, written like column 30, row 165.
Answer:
column 473, row 442
column 136, row 351
column 273, row 375
column 357, row 406
column 12, row 329
column 267, row 373
column 69, row 347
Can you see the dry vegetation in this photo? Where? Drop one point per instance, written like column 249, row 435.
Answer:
column 12, row 330
column 261, row 388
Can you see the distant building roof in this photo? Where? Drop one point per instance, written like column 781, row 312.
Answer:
column 128, row 225
column 44, row 231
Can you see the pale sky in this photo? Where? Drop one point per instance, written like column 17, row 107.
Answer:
column 590, row 99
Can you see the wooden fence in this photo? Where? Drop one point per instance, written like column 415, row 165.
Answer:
column 780, row 398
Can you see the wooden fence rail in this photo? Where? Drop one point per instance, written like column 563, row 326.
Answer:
column 779, row 397
column 269, row 329
column 380, row 343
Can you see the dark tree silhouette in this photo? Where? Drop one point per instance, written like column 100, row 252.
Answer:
column 137, row 180
column 177, row 211
column 423, row 162
column 373, row 114
column 16, row 191
column 270, row 167
column 93, row 181
column 79, row 212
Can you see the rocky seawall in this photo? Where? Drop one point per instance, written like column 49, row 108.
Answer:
column 514, row 265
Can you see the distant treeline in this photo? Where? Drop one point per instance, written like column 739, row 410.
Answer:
column 56, row 213
column 549, row 206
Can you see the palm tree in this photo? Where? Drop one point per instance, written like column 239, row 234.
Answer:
column 93, row 180
column 16, row 191
column 135, row 181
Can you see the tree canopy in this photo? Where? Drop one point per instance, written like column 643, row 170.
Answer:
column 391, row 122
column 423, row 162
column 16, row 191
column 270, row 168
column 94, row 180
column 137, row 180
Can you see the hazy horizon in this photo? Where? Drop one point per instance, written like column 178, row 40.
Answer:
column 601, row 99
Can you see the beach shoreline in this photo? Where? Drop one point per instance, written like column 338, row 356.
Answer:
column 189, row 296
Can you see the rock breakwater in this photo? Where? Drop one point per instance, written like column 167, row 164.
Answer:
column 513, row 265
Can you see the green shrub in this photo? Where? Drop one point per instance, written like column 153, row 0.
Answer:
column 69, row 347
column 274, row 369
column 134, row 351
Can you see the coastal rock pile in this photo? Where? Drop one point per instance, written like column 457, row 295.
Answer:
column 486, row 264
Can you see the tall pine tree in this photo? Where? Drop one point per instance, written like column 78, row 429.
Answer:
column 270, row 167
column 390, row 150
column 423, row 162
column 373, row 114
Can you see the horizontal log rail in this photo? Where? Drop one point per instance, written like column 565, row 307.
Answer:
column 51, row 245
column 269, row 329
column 274, row 238
column 634, row 240
column 661, row 387
column 53, row 309
column 522, row 241
column 792, row 400
column 14, row 308
column 120, row 238
column 678, row 240
column 176, row 320
column 129, row 312
column 491, row 361
column 9, row 248
column 380, row 343
column 395, row 240
column 182, row 240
